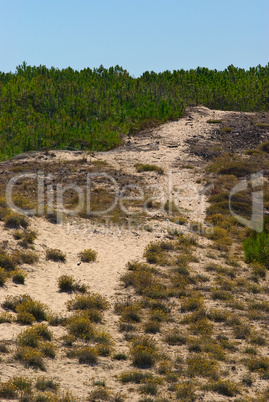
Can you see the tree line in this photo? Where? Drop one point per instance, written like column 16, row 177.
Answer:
column 91, row 109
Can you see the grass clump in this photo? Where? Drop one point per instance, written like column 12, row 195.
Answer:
column 100, row 394
column 259, row 270
column 3, row 348
column 30, row 357
column 143, row 278
column 233, row 166
column 186, row 392
column 212, row 121
column 29, row 310
column 25, row 257
column 226, row 388
column 46, row 384
column 67, row 283
column 3, row 277
column 34, row 335
column 200, row 365
column 144, row 167
column 256, row 248
column 136, row 377
column 16, row 387
column 87, row 355
column 219, row 294
column 131, row 313
column 88, row 301
column 120, row 356
column 19, row 277
column 265, row 145
column 143, row 352
column 259, row 365
column 175, row 338
column 8, row 390
column 152, row 327
column 54, row 254
column 150, row 388
column 192, row 303
column 6, row 317
column 158, row 253
column 81, row 327
column 25, row 237
column 16, row 221
column 88, row 255
column 6, row 261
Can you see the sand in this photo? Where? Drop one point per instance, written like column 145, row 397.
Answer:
column 166, row 147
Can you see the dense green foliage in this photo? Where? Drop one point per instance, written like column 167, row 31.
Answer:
column 256, row 248
column 91, row 109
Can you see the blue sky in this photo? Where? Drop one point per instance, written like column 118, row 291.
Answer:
column 138, row 35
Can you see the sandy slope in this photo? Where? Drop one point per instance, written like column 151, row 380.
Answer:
column 164, row 147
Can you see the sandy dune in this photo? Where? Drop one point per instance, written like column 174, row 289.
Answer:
column 166, row 147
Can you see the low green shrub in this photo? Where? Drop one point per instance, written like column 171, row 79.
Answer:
column 101, row 394
column 150, row 388
column 67, row 283
column 152, row 327
column 140, row 167
column 144, row 352
column 88, row 255
column 186, row 392
column 8, row 390
column 44, row 384
column 81, row 327
column 54, row 254
column 25, row 257
column 136, row 377
column 120, row 356
column 259, row 365
column 49, row 350
column 16, row 221
column 87, row 355
column 6, row 261
column 6, row 317
column 192, row 303
column 30, row 357
column 256, row 248
column 19, row 277
column 200, row 365
column 265, row 145
column 28, row 308
column 3, row 348
column 88, row 301
column 226, row 388
column 173, row 338
column 131, row 313
column 34, row 336
column 3, row 276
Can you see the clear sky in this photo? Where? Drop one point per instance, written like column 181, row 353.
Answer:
column 138, row 35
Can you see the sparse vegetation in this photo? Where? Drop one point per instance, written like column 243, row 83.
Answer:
column 55, row 255
column 88, row 255
column 256, row 248
column 143, row 352
column 67, row 283
column 191, row 314
column 140, row 167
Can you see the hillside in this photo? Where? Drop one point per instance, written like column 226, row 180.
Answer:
column 95, row 109
column 168, row 308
